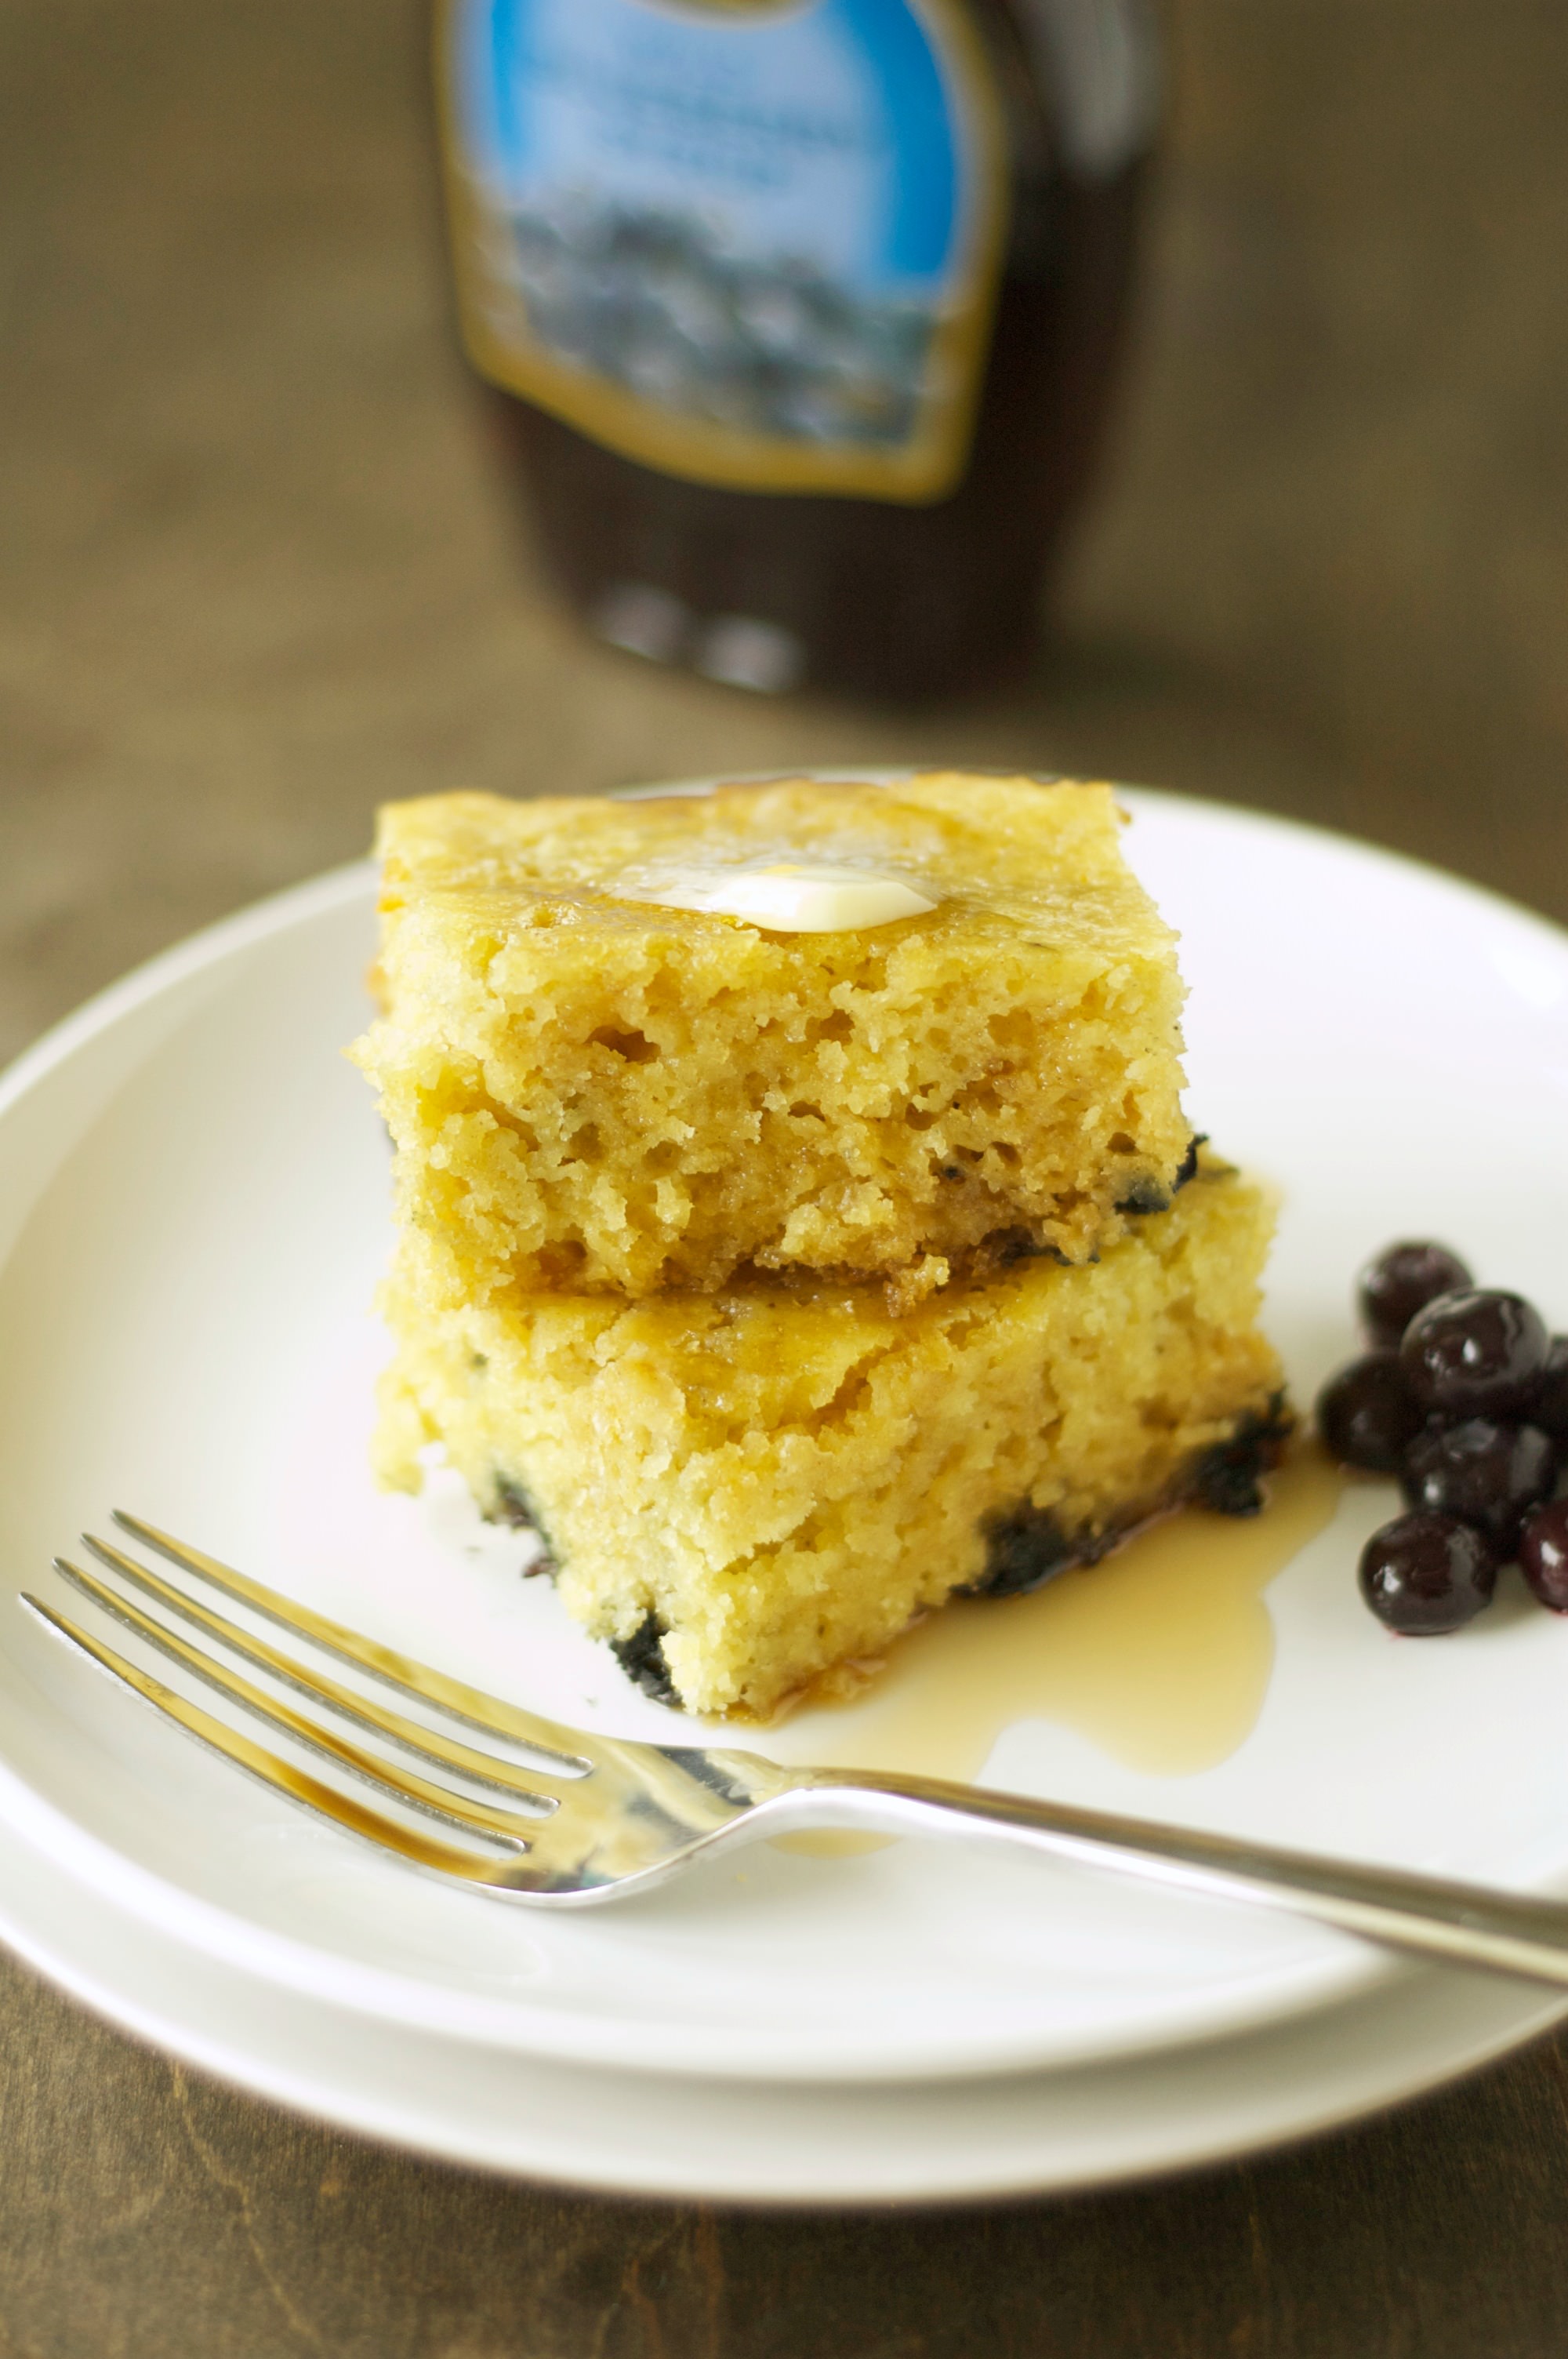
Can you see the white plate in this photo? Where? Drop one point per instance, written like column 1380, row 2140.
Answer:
column 647, row 2133
column 191, row 1198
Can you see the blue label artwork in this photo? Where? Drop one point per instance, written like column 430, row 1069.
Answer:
column 739, row 235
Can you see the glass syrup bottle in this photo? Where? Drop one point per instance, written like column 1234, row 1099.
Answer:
column 799, row 318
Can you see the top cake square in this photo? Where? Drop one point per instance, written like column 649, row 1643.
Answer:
column 591, row 1091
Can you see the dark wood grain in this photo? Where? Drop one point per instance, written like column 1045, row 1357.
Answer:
column 254, row 575
column 148, row 2211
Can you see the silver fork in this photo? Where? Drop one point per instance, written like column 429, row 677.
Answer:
column 608, row 1816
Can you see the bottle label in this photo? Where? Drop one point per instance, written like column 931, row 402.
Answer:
column 753, row 243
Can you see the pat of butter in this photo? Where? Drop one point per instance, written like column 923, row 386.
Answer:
column 788, row 896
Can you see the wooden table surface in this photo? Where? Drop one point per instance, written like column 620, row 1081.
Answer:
column 255, row 574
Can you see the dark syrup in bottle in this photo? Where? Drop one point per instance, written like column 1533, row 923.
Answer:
column 758, row 435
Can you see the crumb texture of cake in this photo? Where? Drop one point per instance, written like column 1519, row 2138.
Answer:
column 742, row 1489
column 590, row 1092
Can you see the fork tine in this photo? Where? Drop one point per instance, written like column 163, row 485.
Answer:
column 431, row 1743
column 408, row 1786
column 282, row 1777
column 481, row 1711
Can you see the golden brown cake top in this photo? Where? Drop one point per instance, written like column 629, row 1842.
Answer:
column 1040, row 856
column 590, row 1091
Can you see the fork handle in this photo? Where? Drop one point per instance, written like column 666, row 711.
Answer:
column 1464, row 1924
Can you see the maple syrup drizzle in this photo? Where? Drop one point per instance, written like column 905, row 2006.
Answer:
column 1161, row 1655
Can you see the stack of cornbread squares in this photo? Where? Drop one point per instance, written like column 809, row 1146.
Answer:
column 789, row 1282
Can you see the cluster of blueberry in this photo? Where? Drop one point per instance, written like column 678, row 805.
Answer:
column 1463, row 1394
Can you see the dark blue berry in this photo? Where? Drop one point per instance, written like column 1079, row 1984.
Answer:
column 1544, row 1554
column 1486, row 1474
column 1424, row 1574
column 1402, row 1280
column 1367, row 1415
column 1475, row 1353
column 1549, row 1408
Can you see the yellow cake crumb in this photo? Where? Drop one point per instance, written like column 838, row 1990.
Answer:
column 593, row 1094
column 744, row 1488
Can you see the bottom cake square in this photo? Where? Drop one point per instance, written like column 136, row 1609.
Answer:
column 743, row 1491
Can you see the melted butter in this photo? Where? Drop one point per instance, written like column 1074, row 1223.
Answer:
column 1161, row 1655
column 787, row 896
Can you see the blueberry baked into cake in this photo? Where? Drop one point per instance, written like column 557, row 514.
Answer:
column 796, row 1220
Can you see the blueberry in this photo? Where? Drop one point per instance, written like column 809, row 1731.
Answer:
column 641, row 1657
column 1543, row 1553
column 1367, row 1415
column 1486, row 1474
column 1477, row 1352
column 1401, row 1281
column 1423, row 1574
column 1549, row 1408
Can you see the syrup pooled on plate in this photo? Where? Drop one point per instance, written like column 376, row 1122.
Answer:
column 1161, row 1654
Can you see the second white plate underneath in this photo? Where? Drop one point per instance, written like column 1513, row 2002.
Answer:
column 746, row 2141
